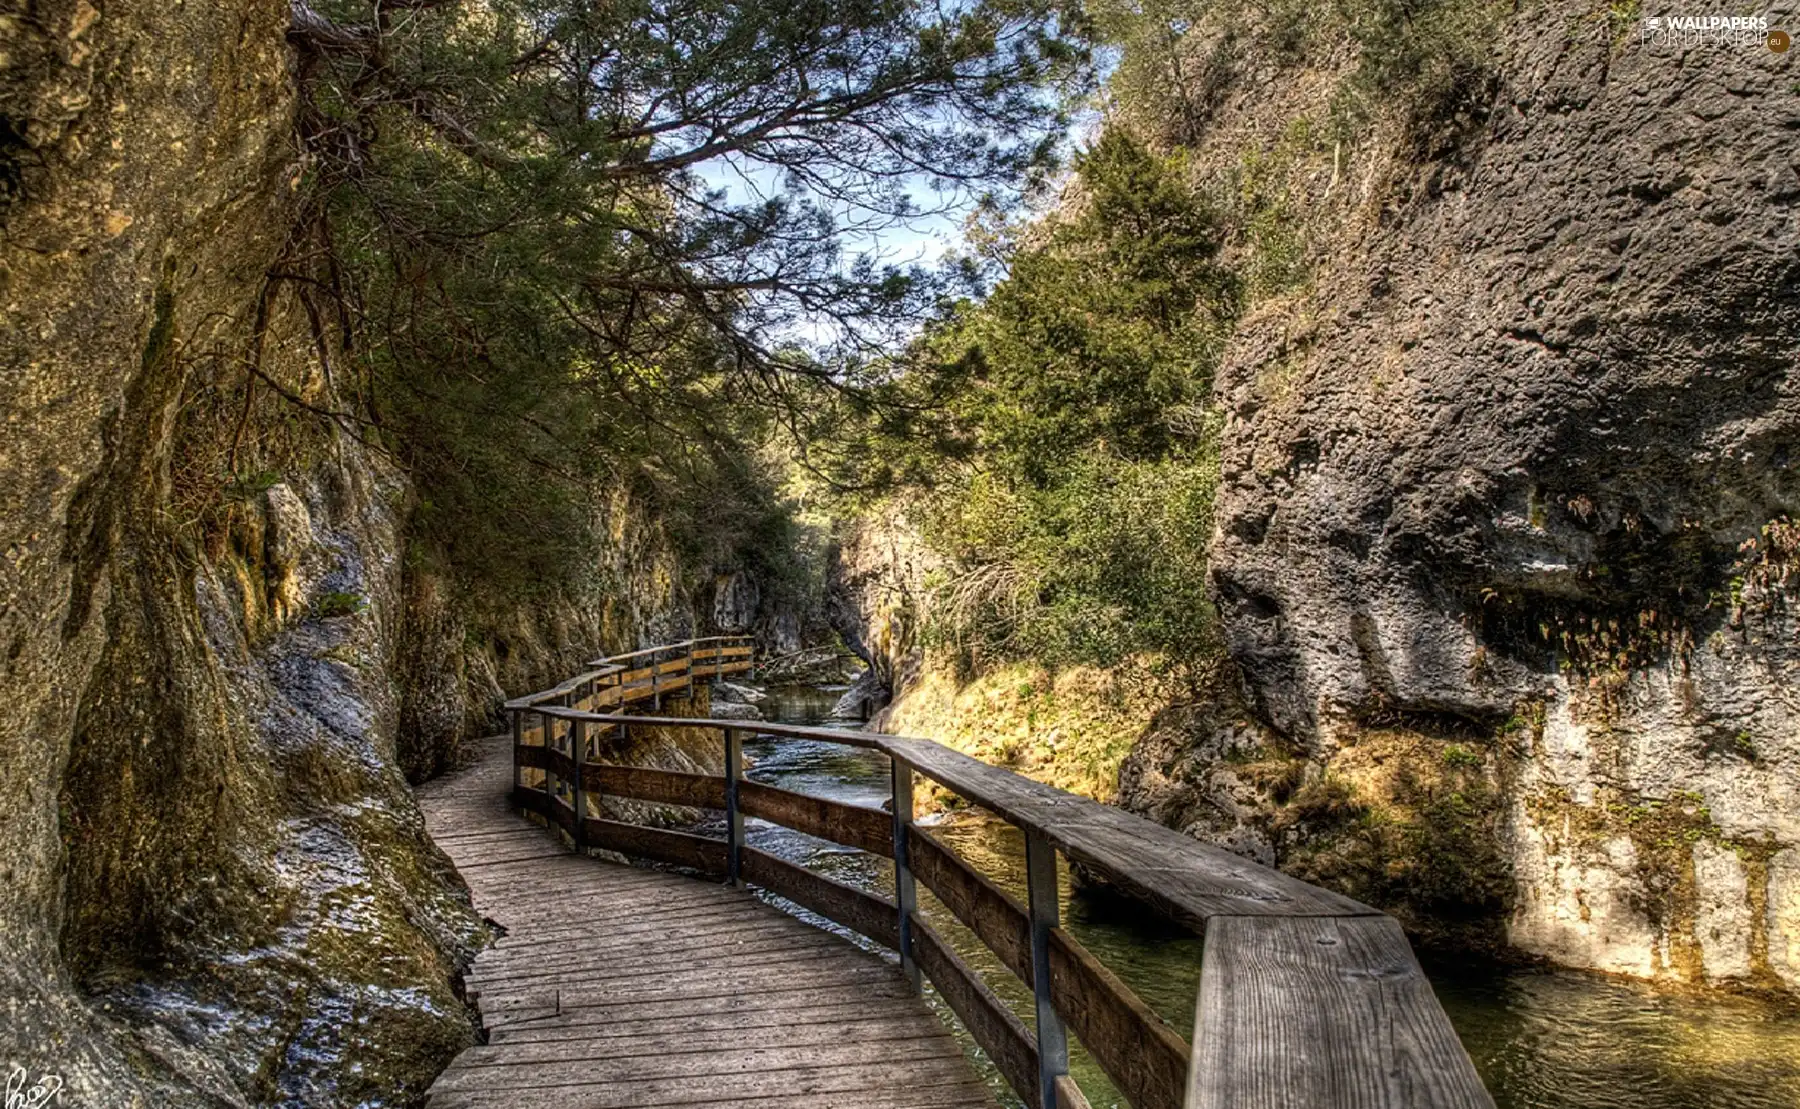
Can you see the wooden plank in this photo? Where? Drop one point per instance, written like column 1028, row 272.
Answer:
column 902, row 1085
column 997, row 920
column 719, row 1059
column 544, row 805
column 707, row 983
column 788, row 1001
column 659, row 844
column 614, row 976
column 558, row 692
column 851, row 825
column 1178, row 874
column 663, row 1044
column 1183, row 877
column 1143, row 1056
column 875, row 917
column 618, row 987
column 700, row 791
column 992, row 1024
column 557, row 762
column 1329, row 1014
column 706, row 1026
column 650, row 959
column 1069, row 1095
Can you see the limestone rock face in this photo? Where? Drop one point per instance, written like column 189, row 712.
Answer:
column 214, row 886
column 1783, row 916
column 1503, row 452
column 735, row 601
column 877, row 596
column 1722, row 918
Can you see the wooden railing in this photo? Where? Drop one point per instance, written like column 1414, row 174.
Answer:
column 1308, row 999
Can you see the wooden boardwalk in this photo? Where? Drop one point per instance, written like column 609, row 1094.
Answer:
column 617, row 987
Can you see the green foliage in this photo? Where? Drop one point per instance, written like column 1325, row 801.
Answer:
column 252, row 484
column 1457, row 756
column 1420, row 843
column 1099, row 338
column 1108, row 560
column 1430, row 60
column 533, row 292
column 1435, row 59
column 1071, row 470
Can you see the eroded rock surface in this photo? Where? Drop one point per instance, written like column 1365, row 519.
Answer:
column 1500, row 457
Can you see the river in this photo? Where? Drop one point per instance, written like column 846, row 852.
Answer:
column 1542, row 1039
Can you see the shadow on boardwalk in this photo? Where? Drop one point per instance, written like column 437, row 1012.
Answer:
column 619, row 987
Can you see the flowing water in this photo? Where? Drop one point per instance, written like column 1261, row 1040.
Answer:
column 1542, row 1039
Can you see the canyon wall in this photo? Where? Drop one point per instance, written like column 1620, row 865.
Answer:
column 215, row 886
column 1511, row 471
column 1503, row 557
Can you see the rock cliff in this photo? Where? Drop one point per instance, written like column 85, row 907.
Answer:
column 1504, row 554
column 215, row 887
column 1510, row 470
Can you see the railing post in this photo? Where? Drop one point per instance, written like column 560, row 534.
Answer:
column 578, row 749
column 905, row 896
column 518, row 733
column 734, row 816
column 656, row 680
column 1052, row 1039
column 544, row 737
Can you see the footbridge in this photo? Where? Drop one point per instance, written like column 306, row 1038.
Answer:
column 671, row 984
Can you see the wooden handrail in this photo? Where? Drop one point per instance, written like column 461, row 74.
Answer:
column 1307, row 997
column 611, row 666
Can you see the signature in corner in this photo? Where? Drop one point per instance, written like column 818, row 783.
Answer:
column 45, row 1091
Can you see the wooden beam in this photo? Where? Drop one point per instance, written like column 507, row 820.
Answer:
column 875, row 917
column 869, row 830
column 700, row 791
column 1143, row 1056
column 996, row 919
column 1328, row 1014
column 659, row 844
column 1069, row 1095
column 1189, row 880
column 989, row 1020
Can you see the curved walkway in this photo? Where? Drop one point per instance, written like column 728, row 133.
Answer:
column 619, row 987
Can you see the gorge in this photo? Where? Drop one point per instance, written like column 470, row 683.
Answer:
column 1370, row 453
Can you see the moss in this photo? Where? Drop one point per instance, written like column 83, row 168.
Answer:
column 1071, row 729
column 1663, row 832
column 1621, row 17
column 337, row 603
column 1402, row 821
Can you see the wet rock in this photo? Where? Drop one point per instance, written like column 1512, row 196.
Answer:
column 866, row 696
column 735, row 710
column 1722, row 917
column 733, row 693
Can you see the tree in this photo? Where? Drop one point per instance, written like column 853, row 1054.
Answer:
column 1070, row 467
column 516, row 223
